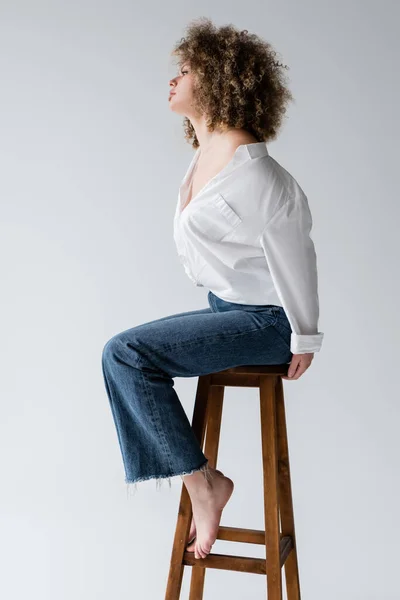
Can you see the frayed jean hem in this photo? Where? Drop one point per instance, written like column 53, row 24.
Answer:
column 131, row 484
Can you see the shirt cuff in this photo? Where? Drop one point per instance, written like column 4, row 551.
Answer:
column 301, row 344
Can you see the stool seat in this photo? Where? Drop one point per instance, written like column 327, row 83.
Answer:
column 278, row 537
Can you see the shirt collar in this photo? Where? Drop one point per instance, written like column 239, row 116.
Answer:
column 246, row 152
column 256, row 149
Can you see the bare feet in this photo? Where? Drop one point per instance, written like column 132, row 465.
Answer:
column 192, row 533
column 208, row 500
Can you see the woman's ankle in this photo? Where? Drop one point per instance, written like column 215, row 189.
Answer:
column 200, row 479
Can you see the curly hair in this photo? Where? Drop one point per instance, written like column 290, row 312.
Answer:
column 238, row 83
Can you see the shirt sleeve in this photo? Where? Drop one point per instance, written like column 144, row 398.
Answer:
column 291, row 258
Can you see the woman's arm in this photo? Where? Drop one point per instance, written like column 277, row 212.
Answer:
column 290, row 254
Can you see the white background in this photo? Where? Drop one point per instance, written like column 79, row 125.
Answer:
column 91, row 159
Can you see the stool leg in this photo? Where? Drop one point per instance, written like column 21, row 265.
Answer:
column 285, row 494
column 199, row 421
column 271, row 488
column 214, row 417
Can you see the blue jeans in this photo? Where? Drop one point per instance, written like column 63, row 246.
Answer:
column 154, row 433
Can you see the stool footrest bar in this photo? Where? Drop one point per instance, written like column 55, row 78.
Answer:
column 237, row 563
column 226, row 562
column 247, row 536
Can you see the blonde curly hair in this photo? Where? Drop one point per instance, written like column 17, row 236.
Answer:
column 238, row 81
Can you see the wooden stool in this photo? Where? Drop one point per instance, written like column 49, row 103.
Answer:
column 279, row 535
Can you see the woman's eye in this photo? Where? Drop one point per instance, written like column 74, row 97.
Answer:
column 184, row 72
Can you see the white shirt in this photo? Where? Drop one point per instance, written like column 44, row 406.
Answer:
column 246, row 236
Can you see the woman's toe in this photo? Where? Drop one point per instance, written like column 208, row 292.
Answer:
column 191, row 546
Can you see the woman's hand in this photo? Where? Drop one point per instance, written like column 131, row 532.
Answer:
column 299, row 364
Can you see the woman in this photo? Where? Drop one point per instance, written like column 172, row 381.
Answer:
column 241, row 228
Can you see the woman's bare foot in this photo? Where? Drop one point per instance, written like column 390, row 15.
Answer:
column 192, row 533
column 208, row 500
